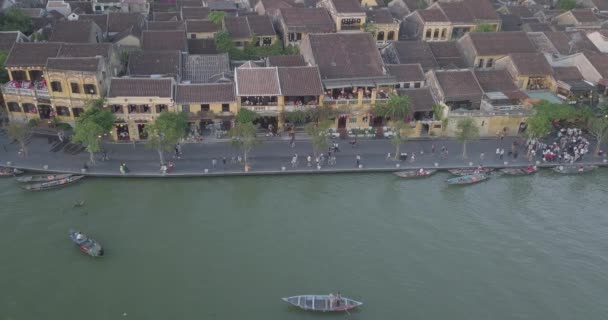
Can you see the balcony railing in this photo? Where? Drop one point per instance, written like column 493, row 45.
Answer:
column 42, row 93
column 484, row 113
column 291, row 108
column 261, row 108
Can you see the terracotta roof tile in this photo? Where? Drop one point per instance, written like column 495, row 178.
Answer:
column 584, row 15
column 458, row 84
column 531, row 64
column 74, row 64
column 202, row 26
column 415, row 52
column 100, row 19
column 237, row 27
column 72, row 31
column 309, row 20
column 567, row 73
column 146, row 63
column 194, row 13
column 379, row 16
column 141, row 87
column 166, row 25
column 481, row 9
column 447, row 55
column 7, row 40
column 346, row 55
column 420, row 99
column 205, row 68
column 205, row 93
column 201, row 46
column 599, row 61
column 300, row 81
column 257, row 82
column 121, row 21
column 406, row 72
column 164, row 40
column 500, row 43
column 81, row 50
column 165, row 16
column 496, row 81
column 433, row 15
column 286, row 61
column 347, row 6
column 457, row 12
column 31, row 54
column 260, row 25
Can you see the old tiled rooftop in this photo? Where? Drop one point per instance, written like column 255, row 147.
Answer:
column 31, row 54
column 141, row 87
column 166, row 25
column 415, row 52
column 74, row 64
column 300, row 81
column 531, row 64
column 406, row 72
column 202, row 26
column 72, row 31
column 347, row 6
column 286, row 61
column 311, row 20
column 420, row 99
column 85, row 50
column 205, row 68
column 164, row 40
column 205, row 93
column 567, row 74
column 146, row 63
column 500, row 43
column 458, row 83
column 257, row 81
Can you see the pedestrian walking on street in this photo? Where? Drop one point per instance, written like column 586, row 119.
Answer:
column 213, row 163
column 309, row 161
column 481, row 157
column 502, row 153
column 358, row 158
column 413, row 158
column 224, row 161
column 178, row 151
column 433, row 148
column 388, row 156
column 497, row 153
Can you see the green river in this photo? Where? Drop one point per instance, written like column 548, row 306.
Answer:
column 509, row 248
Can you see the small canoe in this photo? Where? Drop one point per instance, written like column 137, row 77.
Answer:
column 324, row 303
column 466, row 172
column 415, row 173
column 51, row 184
column 574, row 169
column 523, row 171
column 9, row 172
column 87, row 244
column 44, row 178
column 468, row 179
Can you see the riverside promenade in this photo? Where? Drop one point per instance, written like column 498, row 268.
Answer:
column 272, row 156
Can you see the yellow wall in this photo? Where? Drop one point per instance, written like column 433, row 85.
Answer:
column 440, row 28
column 489, row 125
column 201, row 35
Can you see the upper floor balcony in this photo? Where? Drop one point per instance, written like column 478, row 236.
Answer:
column 37, row 89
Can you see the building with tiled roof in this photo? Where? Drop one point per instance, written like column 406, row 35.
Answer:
column 457, row 89
column 286, row 61
column 408, row 76
column 347, row 14
column 421, row 103
column 76, row 32
column 296, row 23
column 194, row 13
column 121, row 21
column 201, row 29
column 155, row 63
column 207, row 101
column 166, row 25
column 382, row 25
column 9, row 38
column 481, row 49
column 531, row 71
column 205, row 68
column 410, row 52
column 245, row 28
column 165, row 16
column 445, row 21
column 202, row 46
column 164, row 40
column 577, row 18
column 447, row 55
column 101, row 20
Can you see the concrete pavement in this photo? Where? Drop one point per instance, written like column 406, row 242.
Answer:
column 269, row 157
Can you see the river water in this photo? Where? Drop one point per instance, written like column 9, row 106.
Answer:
column 229, row 248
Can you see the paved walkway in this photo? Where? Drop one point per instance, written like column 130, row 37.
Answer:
column 272, row 156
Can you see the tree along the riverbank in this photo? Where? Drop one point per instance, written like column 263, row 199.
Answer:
column 598, row 128
column 402, row 132
column 318, row 135
column 20, row 132
column 243, row 137
column 467, row 130
column 164, row 134
column 545, row 114
column 246, row 116
column 92, row 125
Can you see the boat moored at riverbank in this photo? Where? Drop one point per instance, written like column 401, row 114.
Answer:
column 466, row 172
column 9, row 172
column 51, row 184
column 43, row 178
column 415, row 173
column 574, row 169
column 468, row 179
column 523, row 171
column 324, row 303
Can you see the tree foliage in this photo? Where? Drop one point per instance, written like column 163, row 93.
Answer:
column 402, row 132
column 216, row 17
column 246, row 116
column 166, row 131
column 566, row 4
column 297, row 117
column 397, row 108
column 438, row 112
column 467, row 130
column 540, row 124
column 225, row 44
column 243, row 137
column 322, row 113
column 14, row 19
column 484, row 27
column 92, row 124
column 3, row 73
column 317, row 131
column 19, row 132
column 598, row 128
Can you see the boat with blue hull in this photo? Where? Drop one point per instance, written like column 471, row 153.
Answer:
column 86, row 244
column 468, row 179
column 323, row 303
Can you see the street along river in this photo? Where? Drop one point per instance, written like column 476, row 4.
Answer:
column 533, row 247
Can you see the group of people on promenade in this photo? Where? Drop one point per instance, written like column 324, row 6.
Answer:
column 569, row 147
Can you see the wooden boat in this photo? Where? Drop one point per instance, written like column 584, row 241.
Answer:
column 51, row 184
column 468, row 179
column 324, row 303
column 9, row 172
column 87, row 244
column 574, row 169
column 44, row 178
column 415, row 173
column 466, row 172
column 523, row 171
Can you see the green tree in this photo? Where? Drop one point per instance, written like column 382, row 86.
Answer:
column 402, row 132
column 297, row 117
column 397, row 108
column 14, row 19
column 438, row 112
column 598, row 128
column 3, row 73
column 467, row 130
column 539, row 125
column 318, row 135
column 243, row 137
column 92, row 125
column 321, row 113
column 216, row 17
column 545, row 113
column 246, row 116
column 20, row 132
column 566, row 4
column 168, row 129
column 484, row 27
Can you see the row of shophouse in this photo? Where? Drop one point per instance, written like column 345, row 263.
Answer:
column 350, row 60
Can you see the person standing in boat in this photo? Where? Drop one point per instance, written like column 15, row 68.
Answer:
column 338, row 299
column 332, row 300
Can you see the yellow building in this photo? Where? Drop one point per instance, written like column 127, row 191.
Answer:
column 201, row 29
column 297, row 23
column 347, row 14
column 209, row 103
column 136, row 102
column 530, row 70
column 481, row 49
column 245, row 29
column 382, row 25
